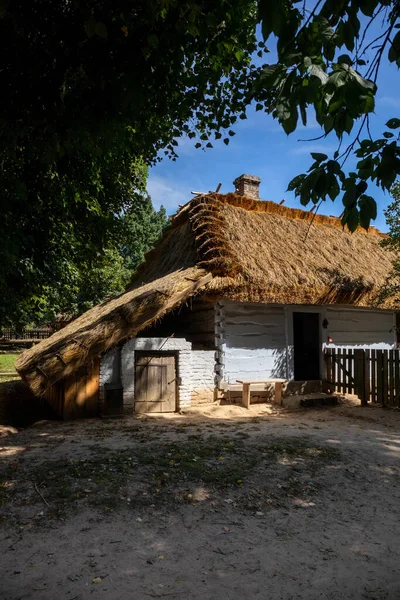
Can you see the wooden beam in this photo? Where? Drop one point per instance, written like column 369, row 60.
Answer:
column 278, row 393
column 246, row 395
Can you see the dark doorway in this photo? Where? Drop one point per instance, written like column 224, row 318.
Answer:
column 307, row 348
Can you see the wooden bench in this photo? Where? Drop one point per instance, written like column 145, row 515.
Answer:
column 246, row 388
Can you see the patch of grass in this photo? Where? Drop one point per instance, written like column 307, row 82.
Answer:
column 252, row 476
column 7, row 363
column 7, row 366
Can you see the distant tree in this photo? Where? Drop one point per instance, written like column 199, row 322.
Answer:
column 91, row 92
column 84, row 284
column 392, row 243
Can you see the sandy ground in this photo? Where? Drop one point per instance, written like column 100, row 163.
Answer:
column 222, row 503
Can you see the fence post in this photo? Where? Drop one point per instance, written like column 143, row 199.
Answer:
column 359, row 376
column 385, row 376
column 366, row 378
column 328, row 369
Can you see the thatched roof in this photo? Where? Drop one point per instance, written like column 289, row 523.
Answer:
column 224, row 246
column 104, row 326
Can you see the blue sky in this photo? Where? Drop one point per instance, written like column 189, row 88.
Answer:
column 260, row 147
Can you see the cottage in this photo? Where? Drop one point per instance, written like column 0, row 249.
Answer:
column 237, row 288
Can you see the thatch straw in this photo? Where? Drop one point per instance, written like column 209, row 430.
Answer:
column 264, row 252
column 227, row 247
column 104, row 326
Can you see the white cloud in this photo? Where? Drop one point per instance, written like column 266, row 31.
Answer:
column 166, row 192
column 307, row 148
column 389, row 101
column 185, row 145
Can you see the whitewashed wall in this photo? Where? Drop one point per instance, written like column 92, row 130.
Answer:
column 252, row 340
column 255, row 341
column 184, row 364
column 196, row 369
column 203, row 375
column 109, row 372
column 360, row 328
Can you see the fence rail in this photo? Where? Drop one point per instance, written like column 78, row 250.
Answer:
column 25, row 334
column 373, row 375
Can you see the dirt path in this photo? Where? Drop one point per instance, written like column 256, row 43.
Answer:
column 222, row 503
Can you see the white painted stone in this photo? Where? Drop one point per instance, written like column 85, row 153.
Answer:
column 203, row 375
column 108, row 372
column 184, row 365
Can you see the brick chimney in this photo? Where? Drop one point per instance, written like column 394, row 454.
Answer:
column 247, row 185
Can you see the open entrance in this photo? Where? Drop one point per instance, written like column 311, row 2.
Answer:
column 307, row 347
column 155, row 382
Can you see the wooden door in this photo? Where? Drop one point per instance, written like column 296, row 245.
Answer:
column 155, row 383
column 307, row 346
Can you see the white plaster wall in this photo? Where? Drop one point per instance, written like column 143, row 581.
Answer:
column 184, row 364
column 108, row 372
column 360, row 328
column 203, row 375
column 254, row 341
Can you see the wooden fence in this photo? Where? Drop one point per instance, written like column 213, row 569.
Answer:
column 373, row 375
column 25, row 334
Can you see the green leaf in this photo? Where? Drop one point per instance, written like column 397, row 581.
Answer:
column 394, row 51
column 3, row 7
column 351, row 218
column 345, row 58
column 368, row 210
column 319, row 156
column 90, row 27
column 362, row 82
column 101, row 29
column 348, row 126
column 368, row 6
column 369, row 104
column 283, row 111
column 349, row 35
column 295, row 182
column 290, row 124
column 318, row 72
column 334, row 189
column 303, row 114
column 393, row 123
column 153, row 41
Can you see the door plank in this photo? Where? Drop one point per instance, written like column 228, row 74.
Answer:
column 155, row 383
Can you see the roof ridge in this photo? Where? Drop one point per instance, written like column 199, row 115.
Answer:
column 207, row 224
column 298, row 214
